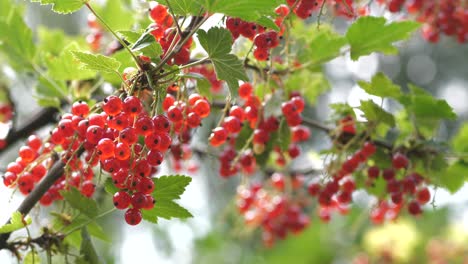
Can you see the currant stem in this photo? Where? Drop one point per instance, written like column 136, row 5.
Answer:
column 137, row 61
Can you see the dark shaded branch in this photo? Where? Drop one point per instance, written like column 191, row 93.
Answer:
column 39, row 120
column 55, row 172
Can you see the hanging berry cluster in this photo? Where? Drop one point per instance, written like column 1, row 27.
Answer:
column 251, row 113
column 163, row 31
column 448, row 17
column 276, row 212
column 125, row 139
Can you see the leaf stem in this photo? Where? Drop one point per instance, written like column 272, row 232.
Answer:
column 137, row 61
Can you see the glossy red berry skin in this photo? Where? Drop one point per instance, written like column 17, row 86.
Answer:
column 121, row 200
column 218, row 136
column 399, row 161
column 132, row 106
column 80, row 108
column 423, row 196
column 133, row 216
column 112, row 105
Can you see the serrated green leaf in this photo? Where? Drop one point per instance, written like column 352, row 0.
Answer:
column 424, row 106
column 147, row 44
column 373, row 34
column 247, row 10
column 97, row 62
column 170, row 187
column 324, row 46
column 87, row 250
column 184, row 7
column 217, row 43
column 16, row 42
column 63, row 6
column 166, row 209
column 16, row 223
column 454, row 177
column 376, row 114
column 32, row 257
column 125, row 60
column 382, row 86
column 80, row 202
column 66, row 67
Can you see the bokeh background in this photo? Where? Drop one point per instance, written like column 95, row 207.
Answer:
column 217, row 234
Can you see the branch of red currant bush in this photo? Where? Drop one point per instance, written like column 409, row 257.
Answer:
column 42, row 118
column 33, row 198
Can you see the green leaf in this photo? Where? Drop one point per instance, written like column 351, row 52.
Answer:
column 324, row 46
column 423, row 105
column 310, row 84
column 87, row 250
column 125, row 60
column 203, row 85
column 47, row 89
column 267, row 22
column 63, row 6
column 217, row 43
column 460, row 141
column 80, row 202
column 382, row 86
column 170, row 187
column 16, row 41
column 166, row 209
column 184, row 7
column 97, row 62
column 147, row 44
column 16, row 223
column 32, row 257
column 373, row 34
column 130, row 36
column 376, row 114
column 47, row 101
column 247, row 10
column 117, row 15
column 454, row 177
column 66, row 67
column 110, row 187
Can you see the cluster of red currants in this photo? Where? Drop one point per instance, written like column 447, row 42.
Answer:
column 305, row 8
column 252, row 113
column 263, row 40
column 276, row 213
column 124, row 139
column 403, row 188
column 163, row 31
column 94, row 38
column 448, row 17
column 336, row 194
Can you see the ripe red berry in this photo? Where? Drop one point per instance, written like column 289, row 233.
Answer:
column 112, row 105
column 121, row 200
column 133, row 216
column 399, row 161
column 423, row 196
